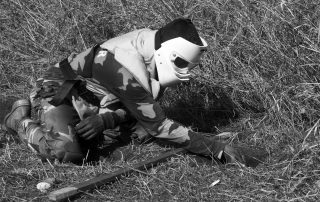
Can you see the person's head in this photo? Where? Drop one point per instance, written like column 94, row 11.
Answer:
column 178, row 48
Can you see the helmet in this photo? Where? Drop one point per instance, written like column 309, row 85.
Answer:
column 179, row 51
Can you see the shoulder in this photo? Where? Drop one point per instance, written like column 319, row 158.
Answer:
column 126, row 41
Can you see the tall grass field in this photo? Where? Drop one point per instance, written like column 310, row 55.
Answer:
column 259, row 82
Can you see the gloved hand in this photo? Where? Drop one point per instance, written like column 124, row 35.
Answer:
column 231, row 155
column 90, row 127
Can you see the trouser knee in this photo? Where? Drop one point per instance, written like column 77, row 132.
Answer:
column 60, row 142
column 62, row 149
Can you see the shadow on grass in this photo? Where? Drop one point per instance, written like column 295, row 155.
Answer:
column 200, row 106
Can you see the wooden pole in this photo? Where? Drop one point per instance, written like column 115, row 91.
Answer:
column 78, row 188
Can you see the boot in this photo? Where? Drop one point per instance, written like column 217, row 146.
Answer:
column 21, row 109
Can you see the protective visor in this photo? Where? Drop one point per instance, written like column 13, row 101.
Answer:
column 187, row 56
column 175, row 58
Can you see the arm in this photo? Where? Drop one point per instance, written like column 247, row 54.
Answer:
column 119, row 81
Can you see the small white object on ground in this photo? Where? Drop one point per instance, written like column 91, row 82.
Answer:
column 43, row 186
column 46, row 184
column 214, row 183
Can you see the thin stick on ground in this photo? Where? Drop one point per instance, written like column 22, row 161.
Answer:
column 73, row 190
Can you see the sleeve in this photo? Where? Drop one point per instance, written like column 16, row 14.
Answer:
column 113, row 118
column 119, row 81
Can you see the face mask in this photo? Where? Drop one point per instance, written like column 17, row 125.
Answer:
column 175, row 58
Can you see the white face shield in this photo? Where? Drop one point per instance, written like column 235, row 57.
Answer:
column 175, row 58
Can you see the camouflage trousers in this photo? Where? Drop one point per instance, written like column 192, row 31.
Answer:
column 54, row 136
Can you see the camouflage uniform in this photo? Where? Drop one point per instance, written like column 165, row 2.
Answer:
column 121, row 73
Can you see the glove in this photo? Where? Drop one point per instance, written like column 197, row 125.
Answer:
column 244, row 155
column 90, row 127
column 231, row 155
column 95, row 124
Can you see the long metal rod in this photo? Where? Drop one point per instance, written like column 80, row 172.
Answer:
column 78, row 188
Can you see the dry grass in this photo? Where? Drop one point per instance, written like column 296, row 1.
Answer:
column 260, row 78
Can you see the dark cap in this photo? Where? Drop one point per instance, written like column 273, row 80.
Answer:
column 178, row 28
